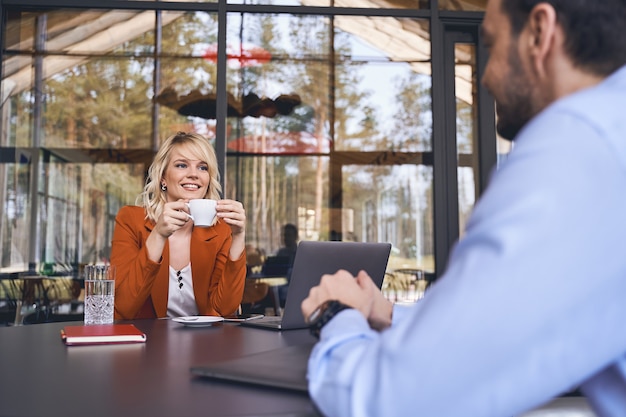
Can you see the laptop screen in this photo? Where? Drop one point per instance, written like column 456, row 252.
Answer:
column 314, row 259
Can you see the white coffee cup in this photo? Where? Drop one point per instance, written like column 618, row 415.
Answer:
column 202, row 211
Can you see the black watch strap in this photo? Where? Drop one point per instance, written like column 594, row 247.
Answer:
column 323, row 314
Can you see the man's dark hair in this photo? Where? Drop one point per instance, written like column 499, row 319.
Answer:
column 594, row 29
column 292, row 227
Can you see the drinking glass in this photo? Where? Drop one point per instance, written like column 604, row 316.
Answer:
column 99, row 294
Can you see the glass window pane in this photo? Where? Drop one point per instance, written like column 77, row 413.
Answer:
column 188, row 97
column 189, row 34
column 276, row 190
column 279, row 35
column 386, row 107
column 99, row 103
column 280, row 81
column 20, row 30
column 377, row 61
column 380, row 4
column 304, row 92
column 272, row 136
column 80, row 202
column 466, row 128
column 80, row 32
column 86, row 99
column 383, row 76
column 463, row 5
column 15, row 224
column 16, row 116
column 391, row 204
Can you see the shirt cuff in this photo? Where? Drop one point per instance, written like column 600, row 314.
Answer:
column 345, row 325
column 400, row 312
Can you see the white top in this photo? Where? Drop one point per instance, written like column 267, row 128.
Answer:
column 180, row 299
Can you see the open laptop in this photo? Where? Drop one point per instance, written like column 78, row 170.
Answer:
column 314, row 259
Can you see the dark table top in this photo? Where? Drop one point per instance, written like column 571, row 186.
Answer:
column 40, row 376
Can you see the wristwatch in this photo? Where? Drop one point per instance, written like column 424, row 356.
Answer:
column 323, row 314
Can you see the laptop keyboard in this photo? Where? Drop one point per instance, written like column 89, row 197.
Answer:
column 271, row 319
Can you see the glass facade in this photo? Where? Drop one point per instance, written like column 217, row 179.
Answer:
column 331, row 120
column 470, row 5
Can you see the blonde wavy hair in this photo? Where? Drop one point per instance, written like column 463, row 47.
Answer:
column 152, row 198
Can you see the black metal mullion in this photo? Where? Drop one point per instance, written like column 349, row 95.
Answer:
column 487, row 144
column 221, row 102
column 158, row 33
column 445, row 218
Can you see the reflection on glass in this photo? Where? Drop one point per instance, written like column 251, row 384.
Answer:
column 82, row 31
column 271, row 62
column 385, row 70
column 381, row 69
column 15, row 223
column 390, row 38
column 388, row 106
column 390, row 204
column 279, row 35
column 17, row 112
column 109, row 104
column 266, row 136
column 82, row 201
column 379, row 4
column 90, row 100
column 466, row 126
column 188, row 34
column 279, row 190
column 463, row 5
column 187, row 84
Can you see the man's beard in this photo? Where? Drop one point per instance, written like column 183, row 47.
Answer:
column 516, row 109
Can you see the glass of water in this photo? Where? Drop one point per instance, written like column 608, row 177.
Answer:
column 99, row 294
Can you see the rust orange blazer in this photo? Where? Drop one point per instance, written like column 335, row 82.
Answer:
column 141, row 285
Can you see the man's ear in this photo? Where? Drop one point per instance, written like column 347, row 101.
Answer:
column 542, row 31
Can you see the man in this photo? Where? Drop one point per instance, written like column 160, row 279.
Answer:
column 532, row 302
column 290, row 242
column 288, row 252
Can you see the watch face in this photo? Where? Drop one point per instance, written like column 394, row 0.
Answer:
column 317, row 312
column 314, row 316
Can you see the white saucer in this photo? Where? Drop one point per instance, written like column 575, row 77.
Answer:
column 198, row 321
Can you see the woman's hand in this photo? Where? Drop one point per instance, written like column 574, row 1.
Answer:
column 175, row 215
column 233, row 213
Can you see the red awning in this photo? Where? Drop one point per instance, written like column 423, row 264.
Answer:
column 284, row 143
column 244, row 55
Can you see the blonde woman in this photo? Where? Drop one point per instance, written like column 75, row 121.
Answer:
column 166, row 267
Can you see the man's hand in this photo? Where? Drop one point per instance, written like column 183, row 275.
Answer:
column 381, row 309
column 360, row 293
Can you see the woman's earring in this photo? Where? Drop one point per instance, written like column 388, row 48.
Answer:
column 163, row 187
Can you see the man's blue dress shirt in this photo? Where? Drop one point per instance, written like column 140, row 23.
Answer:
column 533, row 300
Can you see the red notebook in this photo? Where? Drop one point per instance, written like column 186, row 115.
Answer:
column 102, row 334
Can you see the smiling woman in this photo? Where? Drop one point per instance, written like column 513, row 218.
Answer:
column 166, row 266
column 184, row 159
